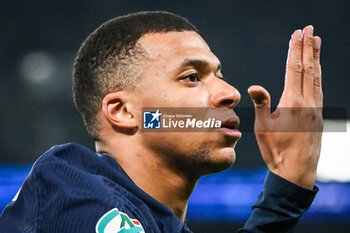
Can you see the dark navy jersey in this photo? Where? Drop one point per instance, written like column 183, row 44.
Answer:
column 72, row 189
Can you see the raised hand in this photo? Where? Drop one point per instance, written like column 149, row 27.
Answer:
column 290, row 138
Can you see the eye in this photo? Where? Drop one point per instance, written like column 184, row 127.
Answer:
column 191, row 78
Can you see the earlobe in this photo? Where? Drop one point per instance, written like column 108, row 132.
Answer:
column 116, row 111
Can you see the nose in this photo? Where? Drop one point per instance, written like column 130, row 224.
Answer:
column 225, row 96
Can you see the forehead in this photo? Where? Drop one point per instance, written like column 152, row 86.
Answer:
column 174, row 47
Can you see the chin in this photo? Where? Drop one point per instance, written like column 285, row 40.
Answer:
column 220, row 160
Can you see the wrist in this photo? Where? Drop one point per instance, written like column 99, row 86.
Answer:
column 304, row 179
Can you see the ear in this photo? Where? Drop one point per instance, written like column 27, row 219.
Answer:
column 118, row 111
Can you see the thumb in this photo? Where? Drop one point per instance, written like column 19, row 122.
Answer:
column 262, row 100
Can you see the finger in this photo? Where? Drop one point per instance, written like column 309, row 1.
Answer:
column 261, row 99
column 318, row 95
column 308, row 65
column 294, row 65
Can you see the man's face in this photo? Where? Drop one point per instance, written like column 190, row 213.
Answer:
column 181, row 71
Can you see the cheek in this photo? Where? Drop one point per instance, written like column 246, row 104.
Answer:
column 204, row 99
column 173, row 94
column 189, row 97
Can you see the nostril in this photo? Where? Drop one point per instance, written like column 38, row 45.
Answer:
column 226, row 102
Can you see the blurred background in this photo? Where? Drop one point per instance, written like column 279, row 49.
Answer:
column 38, row 42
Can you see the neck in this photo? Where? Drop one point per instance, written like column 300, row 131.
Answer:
column 153, row 175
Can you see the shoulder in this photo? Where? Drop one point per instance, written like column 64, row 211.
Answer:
column 76, row 188
column 69, row 161
column 69, row 168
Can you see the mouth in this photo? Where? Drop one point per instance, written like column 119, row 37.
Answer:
column 230, row 127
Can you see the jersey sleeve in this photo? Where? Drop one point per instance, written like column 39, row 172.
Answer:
column 279, row 207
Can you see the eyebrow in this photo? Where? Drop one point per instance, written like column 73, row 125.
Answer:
column 197, row 63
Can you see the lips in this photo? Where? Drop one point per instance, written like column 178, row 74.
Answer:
column 231, row 123
column 230, row 127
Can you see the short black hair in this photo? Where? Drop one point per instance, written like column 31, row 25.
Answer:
column 108, row 59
